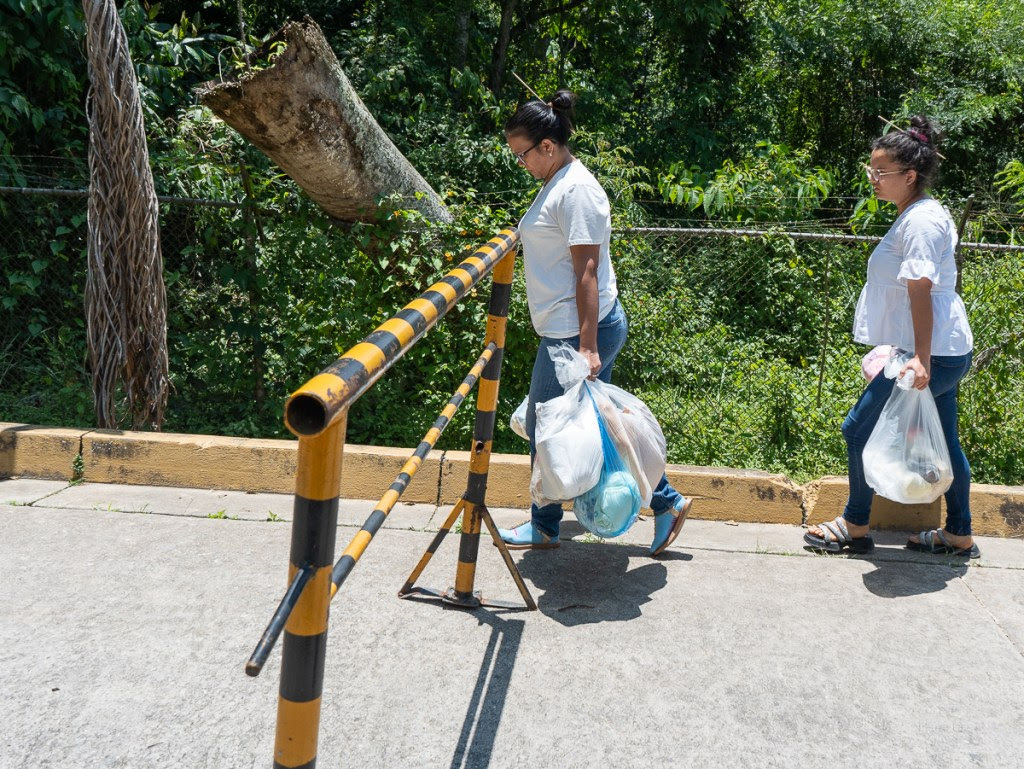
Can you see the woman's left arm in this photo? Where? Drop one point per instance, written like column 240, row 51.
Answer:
column 920, row 292
column 584, row 263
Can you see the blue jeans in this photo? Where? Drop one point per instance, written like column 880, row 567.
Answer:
column 947, row 371
column 611, row 336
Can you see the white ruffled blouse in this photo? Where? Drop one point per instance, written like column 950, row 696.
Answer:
column 919, row 244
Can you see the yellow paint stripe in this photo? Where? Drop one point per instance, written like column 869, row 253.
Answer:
column 309, row 617
column 318, row 472
column 400, row 328
column 464, row 575
column 411, row 466
column 496, row 330
column 465, row 277
column 327, row 387
column 424, row 308
column 298, row 724
column 487, row 398
column 444, row 290
column 370, row 355
column 505, row 269
column 432, row 435
column 388, row 500
column 480, row 460
column 357, row 546
column 477, row 262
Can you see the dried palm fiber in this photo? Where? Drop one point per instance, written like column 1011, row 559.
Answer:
column 125, row 299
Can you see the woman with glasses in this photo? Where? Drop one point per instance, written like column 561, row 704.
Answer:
column 909, row 302
column 570, row 289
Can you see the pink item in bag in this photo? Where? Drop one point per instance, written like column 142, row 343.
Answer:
column 875, row 361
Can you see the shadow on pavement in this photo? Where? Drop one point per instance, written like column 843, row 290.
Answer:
column 584, row 583
column 483, row 714
column 902, row 578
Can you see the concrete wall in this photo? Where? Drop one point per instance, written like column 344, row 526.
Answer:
column 256, row 465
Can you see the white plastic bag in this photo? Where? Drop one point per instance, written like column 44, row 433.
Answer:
column 905, row 458
column 629, row 423
column 518, row 420
column 635, row 433
column 568, row 461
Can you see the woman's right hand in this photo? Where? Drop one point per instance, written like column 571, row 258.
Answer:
column 594, row 360
column 922, row 373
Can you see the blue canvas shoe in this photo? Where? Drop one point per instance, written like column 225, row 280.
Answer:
column 526, row 536
column 667, row 526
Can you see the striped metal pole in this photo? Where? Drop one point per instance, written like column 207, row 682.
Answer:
column 483, row 433
column 315, row 524
column 319, row 402
column 472, row 505
column 354, row 551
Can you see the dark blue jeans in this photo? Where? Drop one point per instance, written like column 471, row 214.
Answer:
column 947, row 371
column 612, row 330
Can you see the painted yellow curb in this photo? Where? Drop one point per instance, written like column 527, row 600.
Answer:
column 260, row 465
column 38, row 452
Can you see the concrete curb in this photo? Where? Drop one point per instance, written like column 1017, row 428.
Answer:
column 261, row 465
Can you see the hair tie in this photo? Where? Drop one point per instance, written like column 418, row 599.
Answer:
column 920, row 136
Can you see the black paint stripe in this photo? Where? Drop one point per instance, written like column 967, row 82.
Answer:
column 501, row 296
column 308, row 765
column 474, row 271
column 456, row 283
column 314, row 531
column 492, row 370
column 437, row 299
column 469, row 545
column 386, row 342
column 302, row 666
column 483, row 428
column 351, row 370
column 476, row 488
column 415, row 319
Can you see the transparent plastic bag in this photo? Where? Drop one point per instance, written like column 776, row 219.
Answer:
column 612, row 506
column 567, row 450
column 635, row 433
column 518, row 420
column 905, row 458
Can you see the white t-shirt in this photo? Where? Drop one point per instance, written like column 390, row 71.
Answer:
column 570, row 210
column 919, row 244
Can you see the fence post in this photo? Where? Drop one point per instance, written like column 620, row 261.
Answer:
column 314, row 529
column 957, row 252
column 483, row 433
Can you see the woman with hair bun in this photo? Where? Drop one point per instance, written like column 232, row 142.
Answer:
column 909, row 302
column 570, row 289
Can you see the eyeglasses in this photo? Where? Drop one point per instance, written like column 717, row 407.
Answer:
column 875, row 175
column 521, row 156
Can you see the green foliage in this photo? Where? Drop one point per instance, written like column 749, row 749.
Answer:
column 699, row 103
column 775, row 183
column 41, row 76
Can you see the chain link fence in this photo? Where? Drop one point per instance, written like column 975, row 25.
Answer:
column 740, row 341
column 739, row 338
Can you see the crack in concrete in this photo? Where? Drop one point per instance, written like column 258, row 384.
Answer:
column 1016, row 645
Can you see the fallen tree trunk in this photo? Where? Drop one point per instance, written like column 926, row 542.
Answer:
column 306, row 116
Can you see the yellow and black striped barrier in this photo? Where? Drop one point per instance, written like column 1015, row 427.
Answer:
column 317, row 413
column 472, row 506
column 319, row 402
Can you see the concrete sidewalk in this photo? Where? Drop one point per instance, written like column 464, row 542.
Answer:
column 128, row 613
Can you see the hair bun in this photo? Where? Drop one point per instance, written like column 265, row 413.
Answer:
column 563, row 100
column 921, row 125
